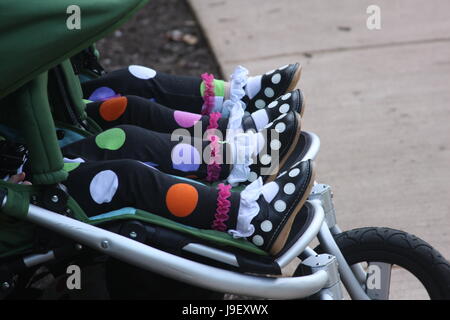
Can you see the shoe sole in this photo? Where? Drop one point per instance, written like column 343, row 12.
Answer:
column 289, row 152
column 295, row 79
column 302, row 107
column 280, row 242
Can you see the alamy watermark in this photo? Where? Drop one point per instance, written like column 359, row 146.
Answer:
column 73, row 21
column 373, row 21
column 235, row 147
column 73, row 281
column 373, row 277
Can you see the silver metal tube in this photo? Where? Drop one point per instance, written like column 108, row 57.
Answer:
column 212, row 253
column 314, row 148
column 306, row 238
column 325, row 296
column 348, row 278
column 308, row 252
column 357, row 269
column 335, row 230
column 36, row 259
column 175, row 267
column 359, row 273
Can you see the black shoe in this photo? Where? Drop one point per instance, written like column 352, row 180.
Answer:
column 291, row 101
column 281, row 140
column 275, row 218
column 274, row 84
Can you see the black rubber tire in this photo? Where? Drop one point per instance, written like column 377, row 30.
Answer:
column 399, row 248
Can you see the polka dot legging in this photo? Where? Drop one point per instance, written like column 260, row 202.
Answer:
column 176, row 92
column 147, row 114
column 181, row 156
column 127, row 102
column 103, row 186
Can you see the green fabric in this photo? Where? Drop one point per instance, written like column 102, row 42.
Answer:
column 27, row 110
column 219, row 88
column 75, row 94
column 16, row 235
column 34, row 35
column 73, row 86
column 217, row 237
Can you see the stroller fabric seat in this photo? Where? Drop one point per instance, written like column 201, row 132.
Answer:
column 35, row 35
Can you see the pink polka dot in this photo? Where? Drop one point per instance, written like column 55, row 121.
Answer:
column 186, row 119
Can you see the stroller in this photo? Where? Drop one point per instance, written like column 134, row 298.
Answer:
column 42, row 226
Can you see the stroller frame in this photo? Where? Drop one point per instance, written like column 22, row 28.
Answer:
column 321, row 273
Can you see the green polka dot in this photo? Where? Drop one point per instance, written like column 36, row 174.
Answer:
column 112, row 139
column 69, row 166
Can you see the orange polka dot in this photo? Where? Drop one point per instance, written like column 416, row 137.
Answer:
column 181, row 199
column 112, row 109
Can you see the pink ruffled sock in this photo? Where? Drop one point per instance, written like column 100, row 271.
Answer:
column 223, row 208
column 209, row 94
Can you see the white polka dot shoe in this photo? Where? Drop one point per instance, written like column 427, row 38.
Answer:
column 279, row 207
column 291, row 101
column 274, row 84
column 281, row 138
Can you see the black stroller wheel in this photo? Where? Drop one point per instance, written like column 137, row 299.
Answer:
column 397, row 250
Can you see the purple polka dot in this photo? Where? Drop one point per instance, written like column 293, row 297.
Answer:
column 102, row 94
column 186, row 119
column 185, row 158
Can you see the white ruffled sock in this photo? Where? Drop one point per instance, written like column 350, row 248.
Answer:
column 244, row 147
column 260, row 118
column 253, row 86
column 249, row 207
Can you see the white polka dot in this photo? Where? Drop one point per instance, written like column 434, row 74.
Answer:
column 284, row 108
column 258, row 240
column 294, row 172
column 260, row 104
column 103, row 186
column 276, row 78
column 286, row 96
column 289, row 188
column 280, row 205
column 270, row 190
column 246, row 113
column 270, row 72
column 283, row 67
column 280, row 127
column 275, row 144
column 142, row 72
column 265, row 159
column 266, row 226
column 281, row 116
column 272, row 104
column 269, row 92
column 252, row 176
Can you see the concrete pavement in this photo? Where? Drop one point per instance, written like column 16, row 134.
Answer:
column 379, row 100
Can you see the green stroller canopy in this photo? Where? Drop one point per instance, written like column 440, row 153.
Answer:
column 36, row 35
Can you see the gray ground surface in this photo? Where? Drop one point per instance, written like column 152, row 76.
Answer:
column 163, row 35
column 379, row 100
